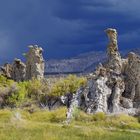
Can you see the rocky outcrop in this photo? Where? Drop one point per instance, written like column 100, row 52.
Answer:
column 18, row 70
column 34, row 63
column 74, row 105
column 114, row 58
column 115, row 85
column 98, row 91
column 33, row 68
column 6, row 70
column 132, row 78
column 107, row 80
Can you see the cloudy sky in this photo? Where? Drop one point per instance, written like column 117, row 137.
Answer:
column 66, row 28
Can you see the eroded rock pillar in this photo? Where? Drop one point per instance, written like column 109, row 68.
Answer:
column 35, row 63
column 114, row 57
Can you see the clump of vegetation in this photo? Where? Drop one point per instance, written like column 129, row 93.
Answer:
column 54, row 116
column 69, row 84
column 100, row 116
column 139, row 119
column 4, row 82
column 50, row 125
column 42, row 124
column 18, row 95
column 13, row 94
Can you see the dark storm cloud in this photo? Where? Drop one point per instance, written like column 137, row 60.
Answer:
column 66, row 28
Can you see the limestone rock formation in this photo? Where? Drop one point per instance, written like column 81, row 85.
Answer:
column 34, row 63
column 7, row 70
column 114, row 58
column 96, row 98
column 107, row 80
column 121, row 90
column 18, row 70
column 115, row 85
column 132, row 78
column 33, row 68
column 75, row 103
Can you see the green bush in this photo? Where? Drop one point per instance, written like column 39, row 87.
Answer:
column 37, row 90
column 15, row 94
column 100, row 116
column 18, row 95
column 58, row 115
column 5, row 115
column 69, row 84
column 34, row 88
column 81, row 116
column 4, row 82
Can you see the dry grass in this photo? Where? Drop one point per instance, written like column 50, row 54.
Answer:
column 45, row 125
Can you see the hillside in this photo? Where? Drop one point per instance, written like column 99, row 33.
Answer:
column 82, row 63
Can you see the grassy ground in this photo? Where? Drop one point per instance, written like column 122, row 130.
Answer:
column 45, row 125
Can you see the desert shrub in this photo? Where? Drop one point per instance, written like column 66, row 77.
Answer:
column 139, row 119
column 58, row 115
column 100, row 116
column 12, row 94
column 122, row 121
column 27, row 91
column 23, row 89
column 83, row 117
column 5, row 115
column 4, row 82
column 7, row 88
column 34, row 88
column 69, row 84
column 37, row 90
column 18, row 95
column 15, row 94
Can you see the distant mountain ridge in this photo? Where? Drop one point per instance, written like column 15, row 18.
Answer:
column 82, row 63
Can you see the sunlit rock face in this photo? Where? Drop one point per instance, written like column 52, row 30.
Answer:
column 115, row 85
column 114, row 58
column 33, row 68
column 18, row 70
column 107, row 80
column 34, row 63
column 96, row 98
column 75, row 103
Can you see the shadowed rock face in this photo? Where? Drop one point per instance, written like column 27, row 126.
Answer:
column 6, row 70
column 34, row 63
column 18, row 70
column 132, row 78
